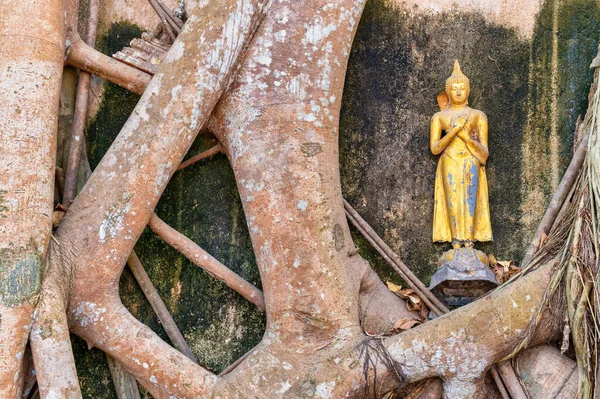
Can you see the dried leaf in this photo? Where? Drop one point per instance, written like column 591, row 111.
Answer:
column 414, row 303
column 503, row 269
column 543, row 238
column 57, row 217
column 405, row 324
column 414, row 298
column 393, row 287
column 424, row 314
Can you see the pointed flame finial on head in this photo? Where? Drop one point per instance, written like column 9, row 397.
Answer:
column 456, row 70
column 457, row 77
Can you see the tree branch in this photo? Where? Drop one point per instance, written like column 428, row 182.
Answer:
column 31, row 63
column 84, row 57
column 165, row 318
column 77, row 142
column 203, row 259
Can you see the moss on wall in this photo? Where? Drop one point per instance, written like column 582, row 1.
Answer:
column 399, row 63
column 557, row 94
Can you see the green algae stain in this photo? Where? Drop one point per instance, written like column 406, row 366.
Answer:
column 117, row 102
column 202, row 202
column 399, row 63
column 93, row 372
column 577, row 27
column 20, row 275
column 579, row 31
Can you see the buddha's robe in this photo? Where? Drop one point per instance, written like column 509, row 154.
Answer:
column 461, row 210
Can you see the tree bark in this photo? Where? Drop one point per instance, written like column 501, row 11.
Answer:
column 31, row 61
column 278, row 124
column 107, row 217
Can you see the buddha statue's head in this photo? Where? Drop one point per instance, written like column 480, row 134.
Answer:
column 457, row 87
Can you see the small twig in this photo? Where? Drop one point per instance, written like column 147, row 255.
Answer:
column 163, row 17
column 210, row 152
column 499, row 384
column 159, row 307
column 511, row 380
column 77, row 145
column 413, row 281
column 233, row 365
column 203, row 259
column 558, row 199
column 178, row 23
column 495, row 62
column 54, row 239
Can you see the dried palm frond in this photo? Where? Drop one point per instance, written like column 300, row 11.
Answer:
column 573, row 241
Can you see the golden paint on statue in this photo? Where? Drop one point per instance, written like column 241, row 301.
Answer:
column 459, row 134
column 461, row 210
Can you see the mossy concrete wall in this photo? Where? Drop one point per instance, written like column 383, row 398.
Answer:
column 527, row 76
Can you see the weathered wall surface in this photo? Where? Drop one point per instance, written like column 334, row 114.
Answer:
column 529, row 74
column 529, row 80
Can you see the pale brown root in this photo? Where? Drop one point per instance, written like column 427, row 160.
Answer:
column 379, row 308
column 499, row 383
column 393, row 260
column 293, row 201
column 203, row 259
column 511, row 380
column 165, row 318
column 31, row 63
column 105, row 220
column 461, row 346
column 125, row 385
column 558, row 199
column 84, row 57
column 203, row 155
column 50, row 340
column 77, row 142
column 14, row 331
column 155, row 364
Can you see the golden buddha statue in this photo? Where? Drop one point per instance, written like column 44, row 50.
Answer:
column 461, row 212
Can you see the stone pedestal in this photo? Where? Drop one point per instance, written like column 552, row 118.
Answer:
column 463, row 276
